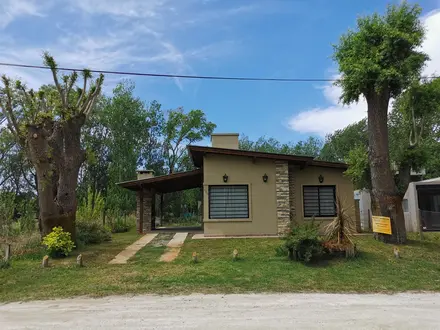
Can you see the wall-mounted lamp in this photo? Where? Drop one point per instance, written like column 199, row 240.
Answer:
column 321, row 178
column 265, row 177
column 225, row 178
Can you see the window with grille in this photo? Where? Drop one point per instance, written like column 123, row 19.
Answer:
column 319, row 201
column 229, row 202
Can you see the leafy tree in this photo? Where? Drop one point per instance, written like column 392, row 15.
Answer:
column 310, row 147
column 152, row 145
column 359, row 168
column 16, row 172
column 414, row 128
column 339, row 144
column 119, row 138
column 378, row 61
column 126, row 119
column 180, row 130
column 47, row 124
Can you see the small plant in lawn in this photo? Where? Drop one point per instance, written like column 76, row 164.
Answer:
column 339, row 233
column 58, row 243
column 302, row 242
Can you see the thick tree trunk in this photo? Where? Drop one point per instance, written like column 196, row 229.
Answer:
column 383, row 186
column 404, row 178
column 55, row 151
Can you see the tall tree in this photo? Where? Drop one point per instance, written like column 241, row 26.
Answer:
column 181, row 129
column 152, row 145
column 47, row 124
column 378, row 61
column 121, row 135
column 126, row 119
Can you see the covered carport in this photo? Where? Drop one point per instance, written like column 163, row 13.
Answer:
column 147, row 186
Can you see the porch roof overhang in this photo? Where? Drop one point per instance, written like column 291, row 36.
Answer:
column 198, row 152
column 167, row 183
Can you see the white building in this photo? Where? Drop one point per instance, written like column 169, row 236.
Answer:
column 363, row 196
column 421, row 205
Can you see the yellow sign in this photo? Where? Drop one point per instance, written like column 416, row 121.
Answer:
column 381, row 224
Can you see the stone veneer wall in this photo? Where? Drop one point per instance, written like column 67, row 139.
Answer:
column 282, row 192
column 139, row 209
column 292, row 197
column 143, row 210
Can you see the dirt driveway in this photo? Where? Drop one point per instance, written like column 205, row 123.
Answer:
column 254, row 311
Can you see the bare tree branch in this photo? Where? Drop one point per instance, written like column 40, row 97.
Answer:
column 86, row 75
column 72, row 81
column 50, row 62
column 7, row 109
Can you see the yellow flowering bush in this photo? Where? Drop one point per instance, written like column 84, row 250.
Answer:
column 58, row 243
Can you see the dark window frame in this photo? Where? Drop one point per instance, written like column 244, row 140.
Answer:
column 319, row 201
column 228, row 185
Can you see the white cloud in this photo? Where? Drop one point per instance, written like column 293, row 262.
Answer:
column 324, row 120
column 12, row 9
column 127, row 8
column 131, row 35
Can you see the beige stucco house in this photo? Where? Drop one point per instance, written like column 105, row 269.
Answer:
column 247, row 192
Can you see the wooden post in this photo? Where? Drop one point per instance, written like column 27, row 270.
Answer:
column 7, row 251
column 161, row 209
column 420, row 225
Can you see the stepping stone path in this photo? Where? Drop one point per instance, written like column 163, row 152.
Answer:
column 131, row 250
column 173, row 247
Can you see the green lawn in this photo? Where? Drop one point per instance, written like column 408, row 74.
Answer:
column 258, row 270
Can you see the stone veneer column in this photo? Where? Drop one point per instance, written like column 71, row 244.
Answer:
column 282, row 192
column 139, row 210
column 292, row 197
column 143, row 211
column 148, row 208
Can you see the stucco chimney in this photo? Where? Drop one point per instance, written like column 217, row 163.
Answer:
column 224, row 140
column 145, row 174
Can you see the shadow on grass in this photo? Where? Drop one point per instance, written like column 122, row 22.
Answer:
column 428, row 245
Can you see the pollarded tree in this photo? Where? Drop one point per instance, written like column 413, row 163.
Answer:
column 47, row 124
column 378, row 61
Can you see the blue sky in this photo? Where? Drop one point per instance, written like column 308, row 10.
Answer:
column 257, row 38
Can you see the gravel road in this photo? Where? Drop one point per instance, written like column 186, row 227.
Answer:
column 253, row 311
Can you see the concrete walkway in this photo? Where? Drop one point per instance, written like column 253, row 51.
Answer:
column 131, row 250
column 244, row 311
column 173, row 247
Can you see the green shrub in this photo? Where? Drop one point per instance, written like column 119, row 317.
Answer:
column 92, row 233
column 91, row 208
column 302, row 242
column 4, row 264
column 27, row 244
column 58, row 243
column 7, row 205
column 119, row 226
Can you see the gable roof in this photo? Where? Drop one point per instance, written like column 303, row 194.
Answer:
column 167, row 183
column 198, row 152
